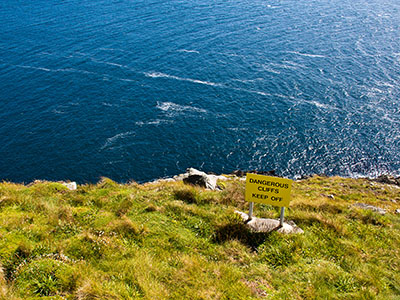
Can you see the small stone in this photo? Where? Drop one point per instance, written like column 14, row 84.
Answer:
column 397, row 211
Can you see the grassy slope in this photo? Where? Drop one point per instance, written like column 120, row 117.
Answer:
column 170, row 241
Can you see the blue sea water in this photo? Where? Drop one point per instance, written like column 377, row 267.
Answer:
column 138, row 90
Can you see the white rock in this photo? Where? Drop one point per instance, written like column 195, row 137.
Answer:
column 196, row 177
column 70, row 185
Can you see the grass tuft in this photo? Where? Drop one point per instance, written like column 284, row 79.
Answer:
column 46, row 277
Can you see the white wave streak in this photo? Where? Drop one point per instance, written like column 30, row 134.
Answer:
column 108, row 63
column 307, row 54
column 163, row 75
column 173, row 107
column 287, row 65
column 68, row 70
column 248, row 80
column 114, row 49
column 153, row 122
column 110, row 104
column 270, row 70
column 319, row 105
column 111, row 64
column 188, row 51
column 116, row 137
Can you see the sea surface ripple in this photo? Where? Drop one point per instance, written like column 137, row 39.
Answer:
column 137, row 90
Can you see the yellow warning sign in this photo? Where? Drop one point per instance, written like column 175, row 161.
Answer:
column 268, row 190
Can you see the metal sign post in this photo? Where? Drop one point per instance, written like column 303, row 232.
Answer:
column 251, row 210
column 281, row 218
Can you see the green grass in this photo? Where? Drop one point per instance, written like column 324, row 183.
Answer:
column 172, row 241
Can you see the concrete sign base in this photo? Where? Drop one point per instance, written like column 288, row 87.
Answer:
column 268, row 225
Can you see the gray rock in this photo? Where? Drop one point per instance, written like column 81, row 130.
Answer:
column 378, row 210
column 200, row 178
column 268, row 225
column 388, row 179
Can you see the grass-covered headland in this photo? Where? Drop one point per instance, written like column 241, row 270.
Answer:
column 167, row 240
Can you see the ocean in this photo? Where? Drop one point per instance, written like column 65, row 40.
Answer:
column 139, row 90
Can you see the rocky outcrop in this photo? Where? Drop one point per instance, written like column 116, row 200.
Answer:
column 202, row 179
column 388, row 179
column 195, row 177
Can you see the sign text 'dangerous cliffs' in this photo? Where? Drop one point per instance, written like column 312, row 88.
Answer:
column 268, row 190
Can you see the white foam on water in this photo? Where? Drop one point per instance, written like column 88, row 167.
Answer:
column 237, row 128
column 319, row 105
column 72, row 70
column 261, row 93
column 116, row 137
column 163, row 75
column 153, row 122
column 385, row 84
column 173, row 107
column 389, row 118
column 112, row 64
column 247, row 80
column 307, row 54
column 294, row 64
column 34, row 68
column 270, row 70
column 67, row 70
column 249, row 91
column 279, row 65
column 109, row 63
column 188, row 51
column 110, row 104
column 115, row 49
column 58, row 112
column 285, row 97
